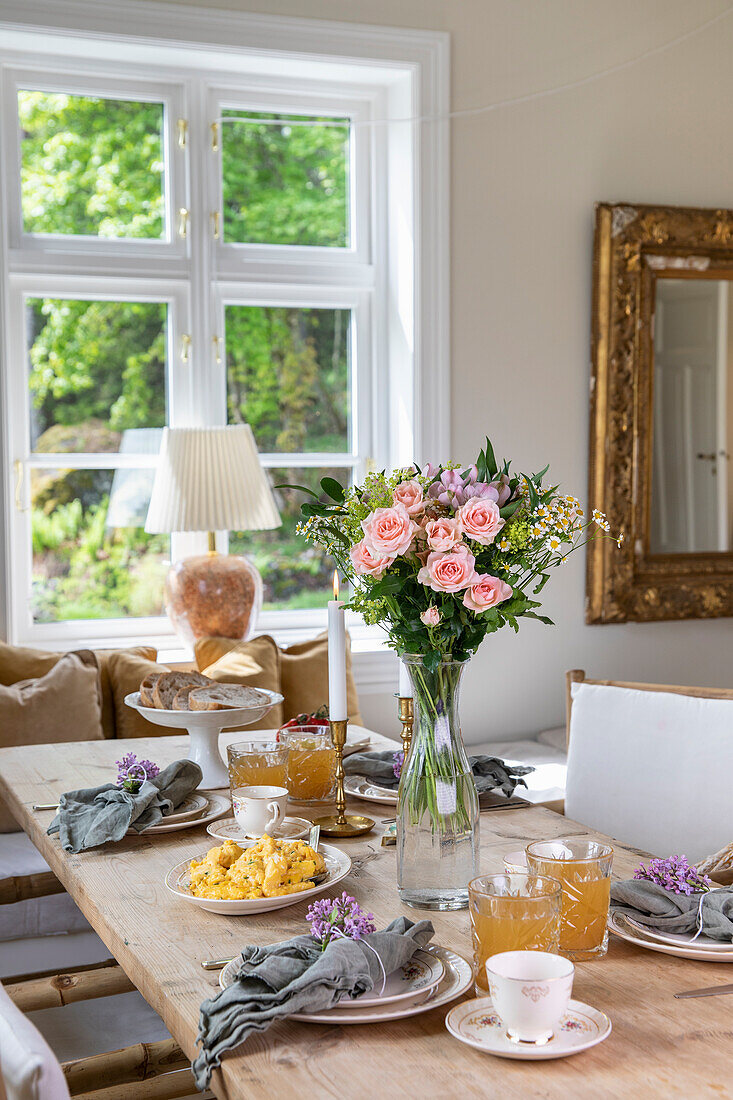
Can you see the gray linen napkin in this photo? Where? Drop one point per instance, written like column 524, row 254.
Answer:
column 664, row 911
column 488, row 771
column 97, row 815
column 297, row 976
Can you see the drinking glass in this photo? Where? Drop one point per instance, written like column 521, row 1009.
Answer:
column 259, row 762
column 311, row 763
column 583, row 867
column 512, row 913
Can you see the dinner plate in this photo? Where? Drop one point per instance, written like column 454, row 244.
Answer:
column 216, row 806
column 619, row 925
column 338, row 865
column 680, row 939
column 478, row 1024
column 194, row 804
column 290, row 828
column 361, row 787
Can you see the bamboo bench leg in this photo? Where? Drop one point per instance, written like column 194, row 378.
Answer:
column 64, row 989
column 23, row 887
column 167, row 1087
column 134, row 1063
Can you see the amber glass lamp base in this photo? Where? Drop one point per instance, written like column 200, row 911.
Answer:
column 213, row 595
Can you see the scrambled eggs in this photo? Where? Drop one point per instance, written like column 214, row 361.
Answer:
column 269, row 869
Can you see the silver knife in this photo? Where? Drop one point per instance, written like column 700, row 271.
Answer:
column 711, row 991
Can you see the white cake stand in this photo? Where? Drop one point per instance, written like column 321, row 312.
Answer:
column 204, row 727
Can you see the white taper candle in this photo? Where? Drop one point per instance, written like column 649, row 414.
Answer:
column 337, row 708
column 405, row 689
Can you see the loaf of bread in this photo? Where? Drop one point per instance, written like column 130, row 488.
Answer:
column 226, row 697
column 169, row 684
column 146, row 688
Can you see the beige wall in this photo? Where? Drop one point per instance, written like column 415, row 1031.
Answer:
column 524, row 181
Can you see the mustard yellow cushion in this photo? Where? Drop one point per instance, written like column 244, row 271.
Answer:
column 303, row 671
column 255, row 664
column 126, row 671
column 63, row 705
column 22, row 663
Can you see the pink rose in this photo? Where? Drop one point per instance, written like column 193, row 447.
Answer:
column 389, row 531
column 449, row 572
column 480, row 520
column 410, row 494
column 485, row 592
column 365, row 561
column 443, row 534
column 431, row 617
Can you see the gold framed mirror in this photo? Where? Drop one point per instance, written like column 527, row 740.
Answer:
column 661, row 435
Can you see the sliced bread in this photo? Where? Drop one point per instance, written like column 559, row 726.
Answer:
column 226, row 697
column 180, row 699
column 169, row 684
column 146, row 688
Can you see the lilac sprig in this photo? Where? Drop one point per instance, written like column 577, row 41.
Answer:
column 339, row 918
column 674, row 874
column 132, row 773
column 398, row 760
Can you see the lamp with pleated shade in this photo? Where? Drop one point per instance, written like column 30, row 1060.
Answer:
column 210, row 479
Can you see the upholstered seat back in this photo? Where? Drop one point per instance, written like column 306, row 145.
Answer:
column 652, row 768
column 28, row 1066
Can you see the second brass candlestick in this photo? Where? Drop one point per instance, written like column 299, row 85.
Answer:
column 341, row 823
column 406, row 712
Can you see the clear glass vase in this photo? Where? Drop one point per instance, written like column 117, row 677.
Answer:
column 437, row 806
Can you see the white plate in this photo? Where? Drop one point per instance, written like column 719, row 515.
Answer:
column 477, row 1024
column 619, row 925
column 680, row 939
column 216, row 806
column 361, row 787
column 290, row 828
column 194, row 804
column 214, row 719
column 338, row 865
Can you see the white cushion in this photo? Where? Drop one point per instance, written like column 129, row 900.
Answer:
column 546, row 783
column 556, row 737
column 29, row 1069
column 47, row 916
column 652, row 768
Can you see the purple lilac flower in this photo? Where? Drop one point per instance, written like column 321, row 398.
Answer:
column 674, row 874
column 398, row 759
column 338, row 918
column 131, row 772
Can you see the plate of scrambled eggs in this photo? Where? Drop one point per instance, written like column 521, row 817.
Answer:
column 254, row 878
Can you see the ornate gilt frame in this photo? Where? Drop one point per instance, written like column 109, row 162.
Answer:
column 634, row 246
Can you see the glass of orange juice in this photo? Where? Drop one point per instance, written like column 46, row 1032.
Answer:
column 311, row 763
column 259, row 762
column 516, row 912
column 583, row 867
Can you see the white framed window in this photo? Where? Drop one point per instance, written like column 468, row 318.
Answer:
column 194, row 236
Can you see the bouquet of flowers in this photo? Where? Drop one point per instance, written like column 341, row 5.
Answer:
column 442, row 556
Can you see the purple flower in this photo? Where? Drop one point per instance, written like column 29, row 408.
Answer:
column 339, row 918
column 674, row 874
column 132, row 773
column 453, row 490
column 398, row 760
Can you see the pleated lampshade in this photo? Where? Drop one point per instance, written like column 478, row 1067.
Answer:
column 210, row 479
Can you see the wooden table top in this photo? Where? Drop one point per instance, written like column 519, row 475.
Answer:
column 659, row 1047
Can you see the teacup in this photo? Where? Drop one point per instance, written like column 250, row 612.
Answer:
column 531, row 991
column 258, row 810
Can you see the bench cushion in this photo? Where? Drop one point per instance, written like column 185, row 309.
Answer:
column 47, row 916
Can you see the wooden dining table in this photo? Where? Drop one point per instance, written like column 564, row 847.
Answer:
column 659, row 1046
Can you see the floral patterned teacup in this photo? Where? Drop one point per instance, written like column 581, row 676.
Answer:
column 530, row 991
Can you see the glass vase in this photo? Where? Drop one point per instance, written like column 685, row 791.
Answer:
column 437, row 805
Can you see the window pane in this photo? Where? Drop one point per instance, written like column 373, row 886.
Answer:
column 91, row 556
column 288, row 376
column 295, row 574
column 91, row 166
column 97, row 375
column 285, row 183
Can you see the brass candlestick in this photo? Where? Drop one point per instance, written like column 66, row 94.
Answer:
column 406, row 712
column 341, row 823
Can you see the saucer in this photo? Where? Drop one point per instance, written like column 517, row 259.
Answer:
column 290, row 828
column 477, row 1024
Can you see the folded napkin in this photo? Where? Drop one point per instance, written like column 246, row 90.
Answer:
column 97, row 815
column 664, row 911
column 488, row 771
column 297, row 976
